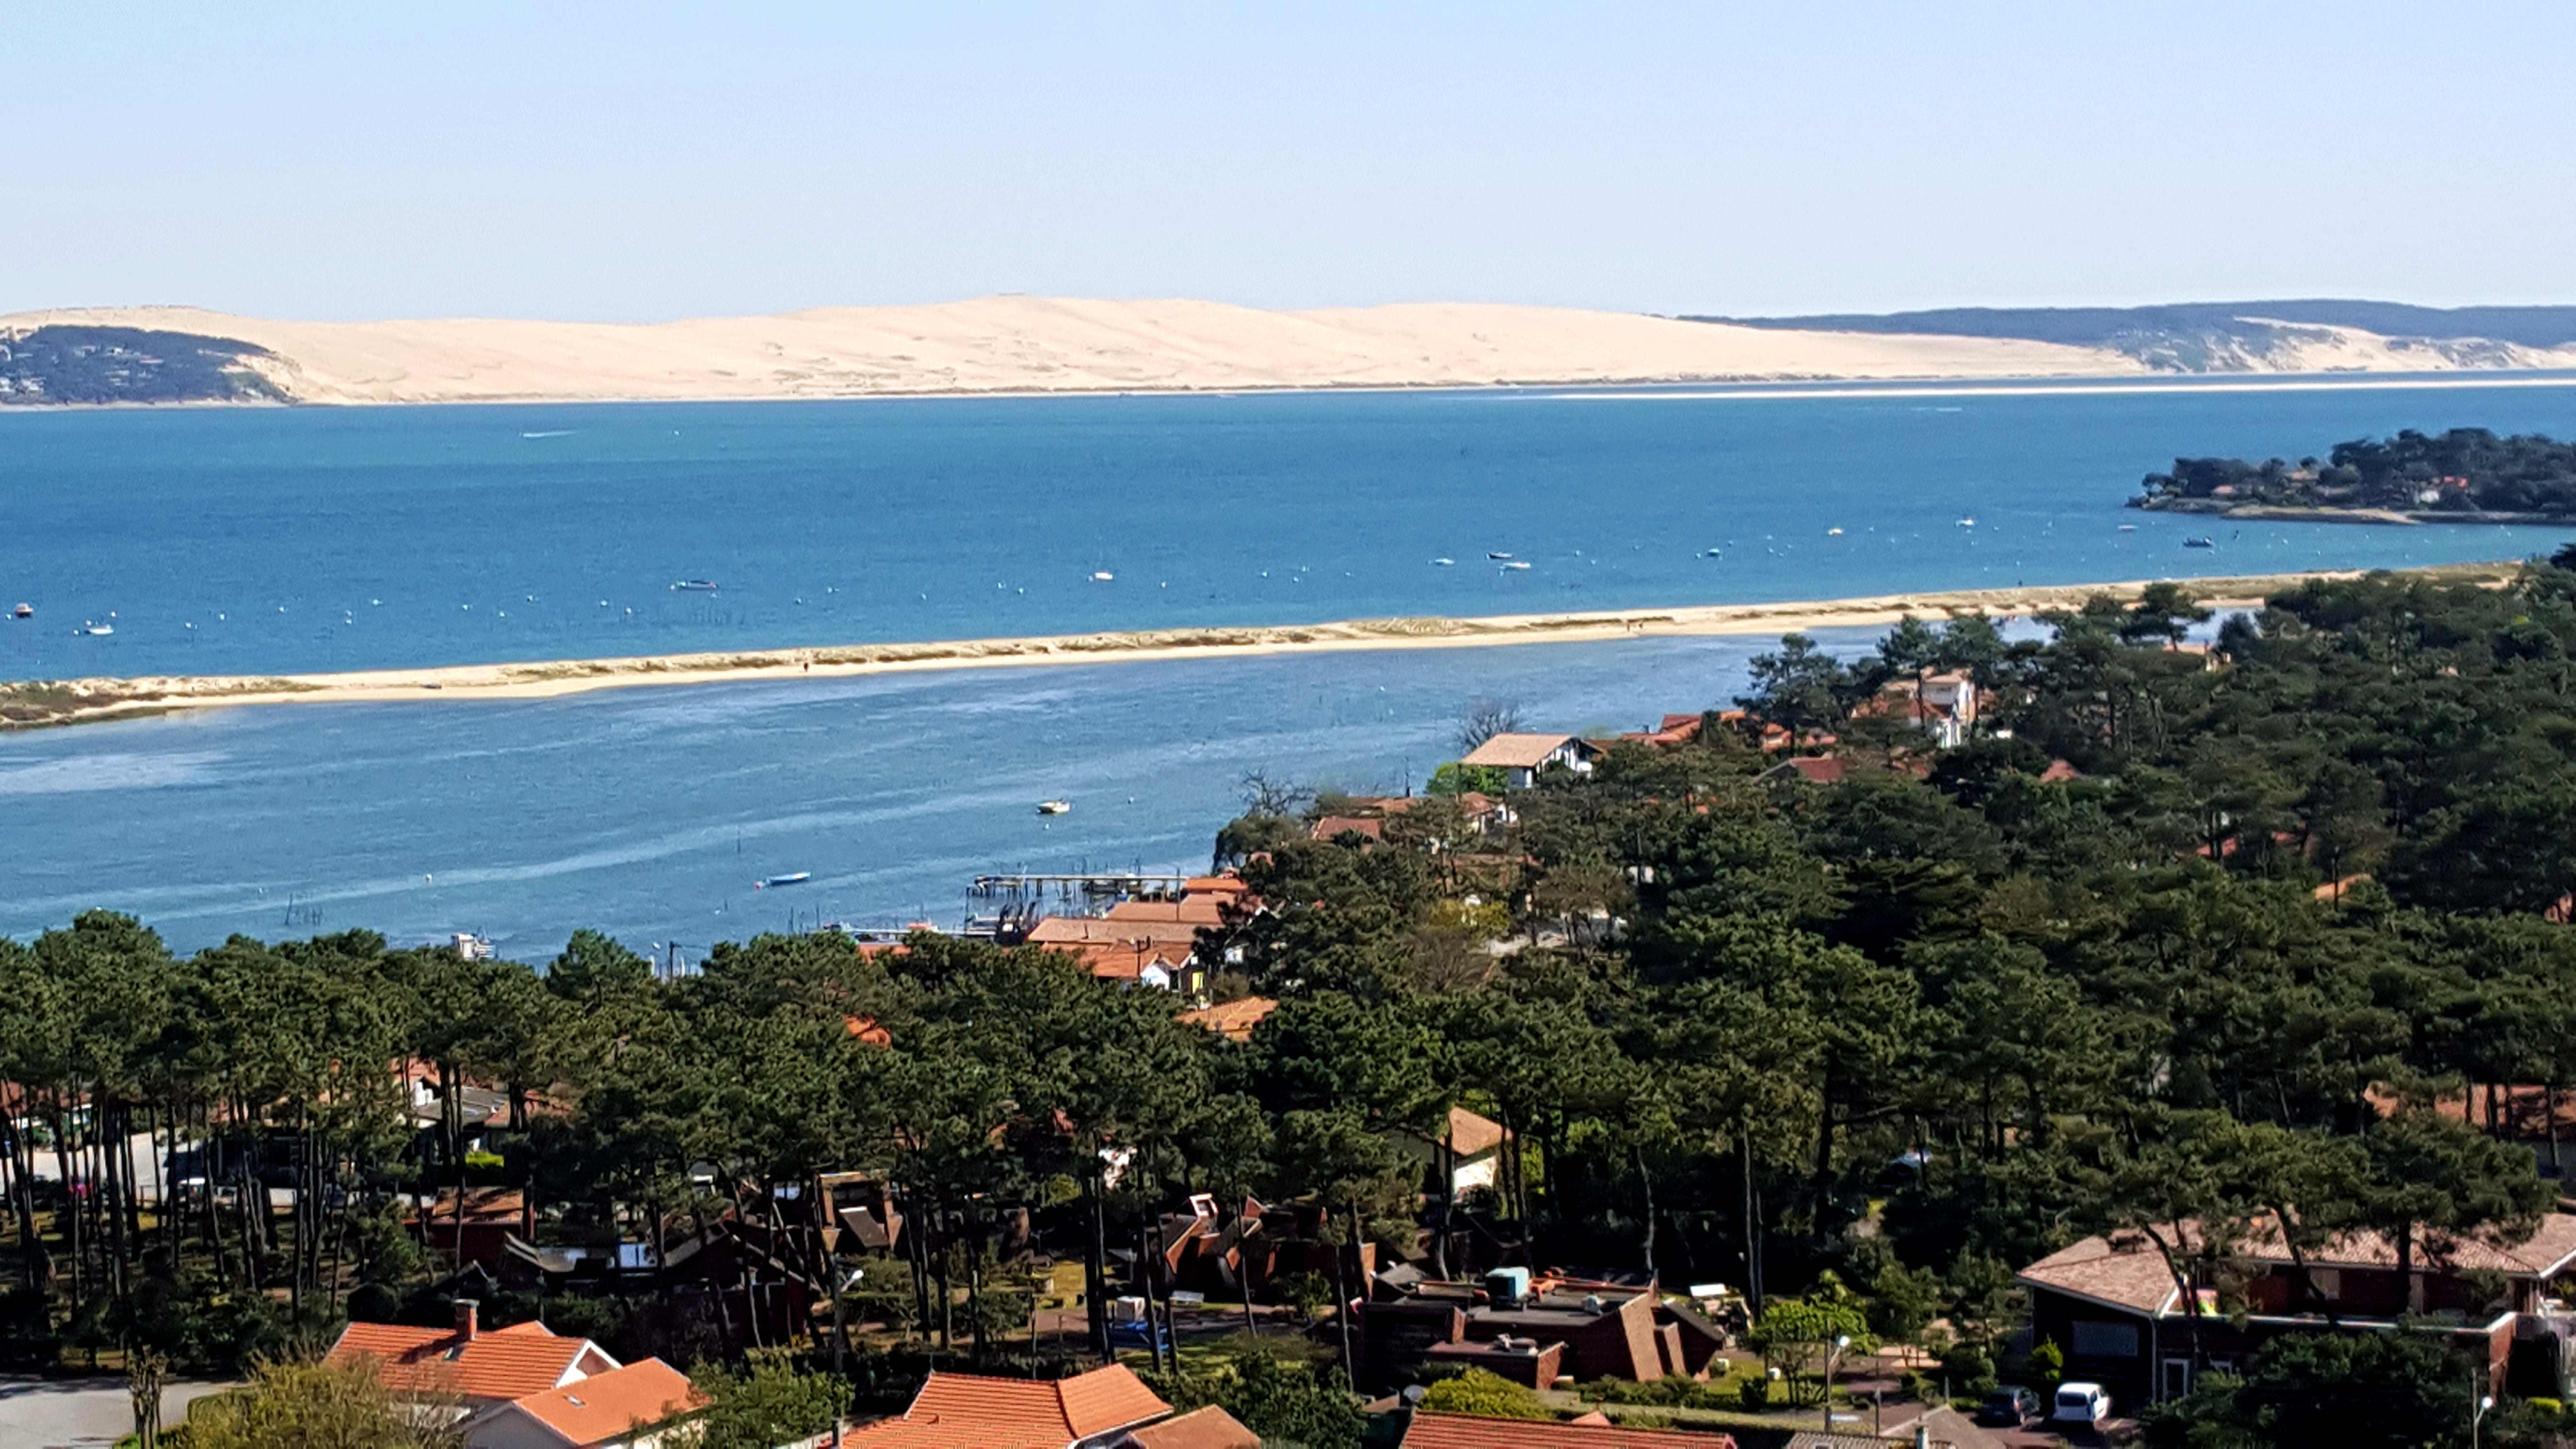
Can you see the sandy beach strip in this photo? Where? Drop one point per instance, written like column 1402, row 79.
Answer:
column 58, row 702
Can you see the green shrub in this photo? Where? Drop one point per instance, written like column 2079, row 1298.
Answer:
column 2048, row 1363
column 2550, row 1407
column 1754, row 1394
column 1484, row 1393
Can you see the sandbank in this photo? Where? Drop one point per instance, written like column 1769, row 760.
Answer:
column 77, row 701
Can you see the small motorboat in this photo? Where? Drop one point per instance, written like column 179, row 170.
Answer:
column 1833, row 533
column 694, row 586
column 1055, row 807
column 1713, row 553
column 795, row 877
column 1441, row 563
column 98, row 631
column 2200, row 543
column 1515, row 564
column 1498, row 557
column 2128, row 528
column 23, row 611
column 1102, row 577
column 1967, row 523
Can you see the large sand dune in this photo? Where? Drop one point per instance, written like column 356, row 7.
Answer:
column 1040, row 344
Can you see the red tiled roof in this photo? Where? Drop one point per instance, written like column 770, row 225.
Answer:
column 2059, row 771
column 1816, row 769
column 1207, row 1428
column 1233, row 1020
column 607, row 1405
column 956, row 1410
column 1189, row 910
column 504, row 1363
column 1460, row 1431
column 1332, row 827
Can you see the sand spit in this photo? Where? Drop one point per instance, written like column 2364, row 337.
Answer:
column 84, row 700
column 1019, row 344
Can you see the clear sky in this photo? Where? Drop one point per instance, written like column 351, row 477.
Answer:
column 635, row 161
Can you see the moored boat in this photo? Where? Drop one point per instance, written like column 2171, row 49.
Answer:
column 695, row 586
column 797, row 877
column 1055, row 807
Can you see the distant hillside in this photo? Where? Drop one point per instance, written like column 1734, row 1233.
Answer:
column 76, row 364
column 2244, row 336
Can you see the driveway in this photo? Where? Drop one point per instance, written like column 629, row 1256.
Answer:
column 80, row 1413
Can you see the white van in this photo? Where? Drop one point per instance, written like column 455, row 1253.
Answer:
column 2080, row 1404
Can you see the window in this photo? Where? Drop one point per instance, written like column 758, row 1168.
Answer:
column 2096, row 1338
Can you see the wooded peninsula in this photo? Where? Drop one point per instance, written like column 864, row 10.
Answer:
column 2466, row 475
column 2178, row 1012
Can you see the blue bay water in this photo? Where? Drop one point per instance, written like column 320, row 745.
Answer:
column 319, row 539
column 650, row 812
column 259, row 541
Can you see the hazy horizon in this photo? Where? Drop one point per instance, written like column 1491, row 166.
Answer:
column 622, row 163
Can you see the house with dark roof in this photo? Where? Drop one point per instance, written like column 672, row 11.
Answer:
column 1532, row 1331
column 2114, row 1306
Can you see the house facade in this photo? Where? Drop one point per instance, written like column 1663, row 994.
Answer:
column 1522, row 756
column 2113, row 1305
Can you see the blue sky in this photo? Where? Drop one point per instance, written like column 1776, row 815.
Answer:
column 638, row 161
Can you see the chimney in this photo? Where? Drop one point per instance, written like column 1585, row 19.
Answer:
column 468, row 1316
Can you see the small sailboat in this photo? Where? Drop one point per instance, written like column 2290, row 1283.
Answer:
column 1055, row 807
column 694, row 586
column 793, row 877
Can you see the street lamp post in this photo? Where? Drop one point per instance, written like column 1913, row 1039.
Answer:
column 2485, row 1402
column 1843, row 1341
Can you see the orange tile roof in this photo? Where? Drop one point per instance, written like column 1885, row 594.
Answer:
column 1199, row 885
column 1191, row 910
column 1086, row 930
column 2135, row 1276
column 1473, row 1132
column 1461, row 1431
column 953, row 1411
column 504, row 1363
column 1207, row 1428
column 607, row 1405
column 1233, row 1020
column 1333, row 827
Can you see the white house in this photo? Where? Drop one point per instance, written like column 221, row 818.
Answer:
column 1521, row 756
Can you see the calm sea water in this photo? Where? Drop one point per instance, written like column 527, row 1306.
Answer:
column 287, row 540
column 262, row 541
column 650, row 812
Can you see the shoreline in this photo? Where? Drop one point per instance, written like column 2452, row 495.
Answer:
column 42, row 703
column 1728, row 387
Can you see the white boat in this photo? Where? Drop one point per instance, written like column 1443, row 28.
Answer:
column 1055, row 807
column 98, row 631
column 1436, row 563
column 1833, row 533
column 793, row 877
column 1713, row 553
column 694, row 586
column 23, row 611
column 2128, row 528
column 1102, row 577
column 1967, row 523
column 1515, row 564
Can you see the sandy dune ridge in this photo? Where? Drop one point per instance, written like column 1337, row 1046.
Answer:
column 82, row 700
column 1041, row 344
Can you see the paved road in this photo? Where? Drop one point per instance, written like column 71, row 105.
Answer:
column 80, row 1413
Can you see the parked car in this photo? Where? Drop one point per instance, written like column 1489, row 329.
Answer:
column 2081, row 1404
column 2009, row 1407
